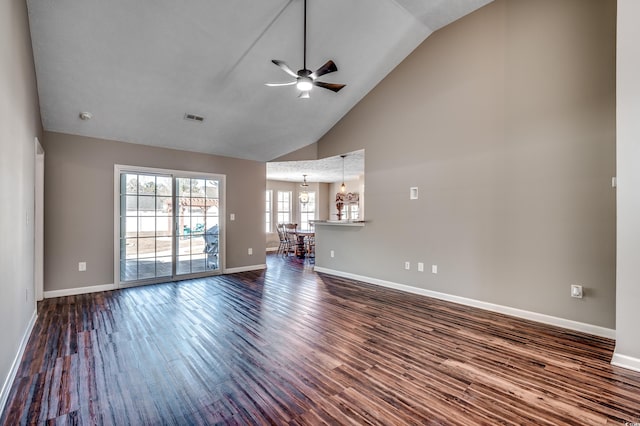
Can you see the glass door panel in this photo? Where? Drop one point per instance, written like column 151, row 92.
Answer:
column 146, row 235
column 197, row 222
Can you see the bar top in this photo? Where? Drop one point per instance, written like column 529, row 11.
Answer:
column 338, row 222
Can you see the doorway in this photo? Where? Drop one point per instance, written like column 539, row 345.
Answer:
column 38, row 267
column 168, row 225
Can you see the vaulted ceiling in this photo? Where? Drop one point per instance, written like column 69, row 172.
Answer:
column 139, row 66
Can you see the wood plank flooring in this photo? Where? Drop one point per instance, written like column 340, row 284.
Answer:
column 289, row 346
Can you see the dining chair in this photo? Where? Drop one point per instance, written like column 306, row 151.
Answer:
column 283, row 247
column 291, row 235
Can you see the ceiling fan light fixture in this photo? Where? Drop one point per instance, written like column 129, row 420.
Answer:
column 304, row 84
column 304, row 95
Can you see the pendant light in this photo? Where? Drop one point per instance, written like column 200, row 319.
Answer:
column 304, row 194
column 343, row 187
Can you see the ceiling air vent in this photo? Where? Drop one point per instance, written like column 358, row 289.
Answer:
column 193, row 117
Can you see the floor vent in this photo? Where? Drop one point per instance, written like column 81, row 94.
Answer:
column 193, row 117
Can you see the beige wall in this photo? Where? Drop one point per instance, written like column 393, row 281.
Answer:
column 325, row 199
column 79, row 176
column 505, row 120
column 309, row 152
column 19, row 125
column 628, row 270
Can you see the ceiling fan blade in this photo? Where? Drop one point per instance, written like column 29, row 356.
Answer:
column 331, row 86
column 330, row 66
column 284, row 67
column 291, row 83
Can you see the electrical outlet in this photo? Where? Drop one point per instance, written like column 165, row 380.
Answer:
column 420, row 267
column 82, row 266
column 250, row 251
column 576, row 291
column 434, row 269
column 332, row 253
column 407, row 265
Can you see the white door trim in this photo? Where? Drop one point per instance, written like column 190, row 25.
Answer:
column 38, row 258
column 120, row 168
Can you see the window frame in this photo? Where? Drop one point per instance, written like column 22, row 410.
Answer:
column 268, row 211
column 280, row 204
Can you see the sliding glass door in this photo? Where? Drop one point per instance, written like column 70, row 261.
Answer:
column 168, row 225
column 198, row 225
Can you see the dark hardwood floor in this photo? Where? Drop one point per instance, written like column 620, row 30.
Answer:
column 288, row 346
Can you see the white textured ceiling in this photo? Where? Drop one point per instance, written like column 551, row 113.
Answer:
column 326, row 170
column 139, row 66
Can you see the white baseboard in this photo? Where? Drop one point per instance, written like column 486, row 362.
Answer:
column 625, row 361
column 108, row 287
column 245, row 269
column 271, row 249
column 533, row 316
column 13, row 371
column 79, row 290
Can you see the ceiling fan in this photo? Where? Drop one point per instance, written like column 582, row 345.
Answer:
column 305, row 79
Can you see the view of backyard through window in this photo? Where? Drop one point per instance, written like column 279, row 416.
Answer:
column 168, row 226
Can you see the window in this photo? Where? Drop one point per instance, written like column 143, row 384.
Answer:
column 284, row 206
column 308, row 212
column 353, row 213
column 267, row 211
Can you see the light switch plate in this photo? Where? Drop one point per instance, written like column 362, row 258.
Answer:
column 232, row 217
column 413, row 193
column 576, row 291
